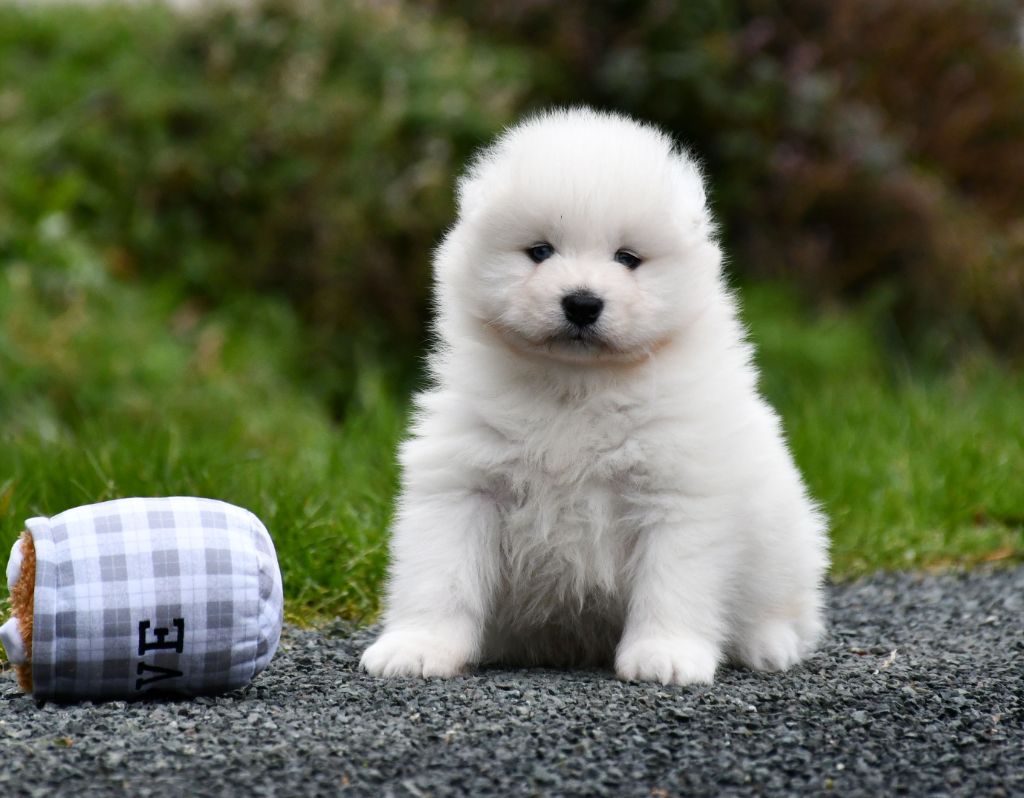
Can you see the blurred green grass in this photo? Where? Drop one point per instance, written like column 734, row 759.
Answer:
column 116, row 389
column 917, row 463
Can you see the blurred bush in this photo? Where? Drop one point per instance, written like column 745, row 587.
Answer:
column 300, row 148
column 307, row 148
column 856, row 146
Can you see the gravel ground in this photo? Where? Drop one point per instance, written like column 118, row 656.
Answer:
column 919, row 689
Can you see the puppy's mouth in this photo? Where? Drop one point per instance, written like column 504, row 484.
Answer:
column 577, row 344
column 571, row 344
column 577, row 337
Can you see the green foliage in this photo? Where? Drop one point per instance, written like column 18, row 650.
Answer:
column 306, row 149
column 916, row 466
column 113, row 390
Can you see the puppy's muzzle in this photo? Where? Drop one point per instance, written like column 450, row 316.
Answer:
column 582, row 308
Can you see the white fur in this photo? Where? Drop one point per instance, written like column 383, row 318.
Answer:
column 624, row 499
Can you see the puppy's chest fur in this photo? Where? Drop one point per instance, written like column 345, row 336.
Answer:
column 563, row 485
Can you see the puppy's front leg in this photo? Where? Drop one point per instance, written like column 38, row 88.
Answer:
column 440, row 587
column 675, row 621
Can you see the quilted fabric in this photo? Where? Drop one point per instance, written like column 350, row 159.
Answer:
column 133, row 596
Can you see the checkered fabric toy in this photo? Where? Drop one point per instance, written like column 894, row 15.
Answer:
column 135, row 596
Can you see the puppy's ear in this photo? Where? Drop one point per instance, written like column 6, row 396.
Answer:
column 469, row 188
column 693, row 209
column 469, row 193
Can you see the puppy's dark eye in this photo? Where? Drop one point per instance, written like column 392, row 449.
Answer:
column 628, row 259
column 540, row 252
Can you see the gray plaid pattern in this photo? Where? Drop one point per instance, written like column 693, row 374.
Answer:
column 134, row 596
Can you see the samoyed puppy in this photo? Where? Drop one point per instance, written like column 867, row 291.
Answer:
column 594, row 479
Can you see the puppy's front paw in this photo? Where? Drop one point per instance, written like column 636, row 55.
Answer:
column 669, row 660
column 416, row 654
column 772, row 646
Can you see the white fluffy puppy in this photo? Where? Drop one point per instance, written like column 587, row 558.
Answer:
column 594, row 478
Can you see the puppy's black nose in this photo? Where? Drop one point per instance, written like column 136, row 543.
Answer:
column 582, row 308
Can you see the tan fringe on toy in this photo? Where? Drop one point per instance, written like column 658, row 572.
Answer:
column 23, row 607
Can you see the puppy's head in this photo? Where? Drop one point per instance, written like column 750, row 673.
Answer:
column 582, row 237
